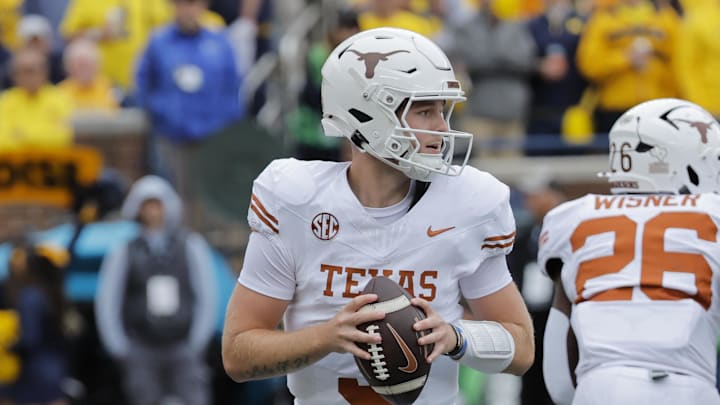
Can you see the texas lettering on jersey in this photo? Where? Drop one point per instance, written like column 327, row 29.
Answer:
column 416, row 283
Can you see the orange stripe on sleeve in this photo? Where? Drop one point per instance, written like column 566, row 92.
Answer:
column 262, row 208
column 499, row 237
column 497, row 245
column 262, row 218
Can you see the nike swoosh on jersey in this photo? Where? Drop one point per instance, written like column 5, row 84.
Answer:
column 433, row 233
column 412, row 363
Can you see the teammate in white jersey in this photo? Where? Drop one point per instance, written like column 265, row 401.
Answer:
column 400, row 209
column 637, row 271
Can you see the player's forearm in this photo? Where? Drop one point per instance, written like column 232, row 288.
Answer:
column 524, row 347
column 259, row 353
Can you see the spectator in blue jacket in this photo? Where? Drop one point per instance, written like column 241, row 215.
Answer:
column 557, row 84
column 188, row 83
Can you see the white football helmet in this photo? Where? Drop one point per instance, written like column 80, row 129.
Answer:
column 665, row 146
column 373, row 73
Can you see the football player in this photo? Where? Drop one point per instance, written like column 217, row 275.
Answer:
column 400, row 208
column 636, row 272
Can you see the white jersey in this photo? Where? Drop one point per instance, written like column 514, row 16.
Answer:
column 328, row 247
column 642, row 274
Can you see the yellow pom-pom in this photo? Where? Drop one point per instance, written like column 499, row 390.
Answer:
column 577, row 126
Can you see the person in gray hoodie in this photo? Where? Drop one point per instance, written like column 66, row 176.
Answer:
column 498, row 55
column 155, row 305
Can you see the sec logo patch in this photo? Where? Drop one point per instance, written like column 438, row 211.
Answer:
column 325, row 226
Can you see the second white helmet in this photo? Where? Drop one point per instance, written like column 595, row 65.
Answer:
column 665, row 146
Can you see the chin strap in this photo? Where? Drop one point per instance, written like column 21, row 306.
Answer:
column 483, row 345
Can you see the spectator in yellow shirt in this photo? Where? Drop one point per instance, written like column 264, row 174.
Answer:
column 121, row 27
column 33, row 113
column 697, row 53
column 626, row 50
column 88, row 89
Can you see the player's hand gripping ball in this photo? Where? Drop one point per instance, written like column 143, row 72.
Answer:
column 398, row 368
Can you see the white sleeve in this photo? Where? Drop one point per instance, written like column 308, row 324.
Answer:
column 499, row 233
column 268, row 267
column 264, row 208
column 492, row 275
column 495, row 239
column 556, row 369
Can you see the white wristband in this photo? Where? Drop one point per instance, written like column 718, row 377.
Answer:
column 490, row 347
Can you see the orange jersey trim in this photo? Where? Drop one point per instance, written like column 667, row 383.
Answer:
column 500, row 237
column 497, row 245
column 265, row 220
column 262, row 208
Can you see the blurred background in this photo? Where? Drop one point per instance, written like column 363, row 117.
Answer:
column 96, row 94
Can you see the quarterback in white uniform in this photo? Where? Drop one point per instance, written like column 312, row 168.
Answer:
column 637, row 271
column 401, row 209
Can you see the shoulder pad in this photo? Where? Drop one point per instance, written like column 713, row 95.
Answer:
column 487, row 211
column 565, row 208
column 284, row 183
column 482, row 191
column 557, row 225
column 290, row 180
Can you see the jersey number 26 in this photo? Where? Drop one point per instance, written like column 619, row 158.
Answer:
column 655, row 260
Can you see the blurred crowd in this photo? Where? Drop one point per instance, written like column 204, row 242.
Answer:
column 543, row 77
column 539, row 73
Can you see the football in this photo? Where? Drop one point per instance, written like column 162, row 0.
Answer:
column 398, row 369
